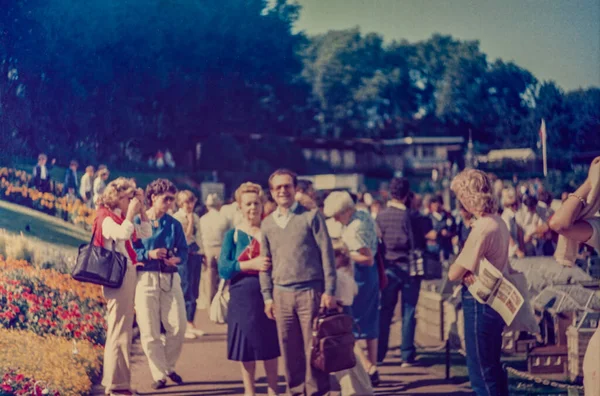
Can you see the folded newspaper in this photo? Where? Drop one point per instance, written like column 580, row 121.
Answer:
column 493, row 289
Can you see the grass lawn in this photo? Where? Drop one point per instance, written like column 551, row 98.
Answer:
column 15, row 219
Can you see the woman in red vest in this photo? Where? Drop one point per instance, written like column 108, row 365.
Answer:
column 118, row 205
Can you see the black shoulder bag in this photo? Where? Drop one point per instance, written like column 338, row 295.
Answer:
column 100, row 266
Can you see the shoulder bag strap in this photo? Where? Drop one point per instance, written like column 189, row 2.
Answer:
column 411, row 238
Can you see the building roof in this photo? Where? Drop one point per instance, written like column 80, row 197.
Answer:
column 542, row 272
column 549, row 350
column 567, row 298
column 518, row 154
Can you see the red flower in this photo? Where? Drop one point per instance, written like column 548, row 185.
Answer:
column 77, row 334
column 19, row 377
column 7, row 388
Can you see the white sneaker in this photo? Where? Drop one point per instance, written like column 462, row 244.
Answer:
column 189, row 335
column 197, row 332
column 406, row 365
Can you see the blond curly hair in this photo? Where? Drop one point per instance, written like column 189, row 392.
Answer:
column 249, row 187
column 475, row 191
column 115, row 190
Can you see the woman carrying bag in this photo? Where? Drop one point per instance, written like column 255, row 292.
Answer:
column 251, row 335
column 119, row 204
column 159, row 296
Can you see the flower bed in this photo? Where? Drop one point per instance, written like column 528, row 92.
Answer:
column 48, row 302
column 52, row 331
column 14, row 188
column 15, row 383
column 66, row 368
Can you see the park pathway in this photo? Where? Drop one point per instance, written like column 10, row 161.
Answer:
column 207, row 372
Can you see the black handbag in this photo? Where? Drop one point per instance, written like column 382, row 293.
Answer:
column 421, row 264
column 100, row 266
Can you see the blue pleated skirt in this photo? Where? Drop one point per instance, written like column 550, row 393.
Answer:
column 251, row 336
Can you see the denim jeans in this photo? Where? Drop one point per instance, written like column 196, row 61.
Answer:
column 399, row 280
column 190, row 282
column 483, row 342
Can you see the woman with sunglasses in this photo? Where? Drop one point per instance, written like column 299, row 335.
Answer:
column 159, row 296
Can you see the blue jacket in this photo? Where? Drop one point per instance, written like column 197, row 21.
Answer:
column 168, row 234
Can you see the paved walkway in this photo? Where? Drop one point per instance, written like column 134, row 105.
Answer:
column 208, row 373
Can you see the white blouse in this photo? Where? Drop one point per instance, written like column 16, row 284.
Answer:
column 120, row 233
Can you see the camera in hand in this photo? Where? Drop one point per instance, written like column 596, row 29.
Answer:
column 164, row 267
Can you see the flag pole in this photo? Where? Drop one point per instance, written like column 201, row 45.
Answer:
column 544, row 151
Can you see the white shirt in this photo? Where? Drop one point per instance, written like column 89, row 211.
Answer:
column 345, row 288
column 233, row 214
column 397, row 205
column 43, row 172
column 120, row 233
column 182, row 216
column 214, row 226
column 86, row 184
column 282, row 219
column 99, row 187
column 528, row 221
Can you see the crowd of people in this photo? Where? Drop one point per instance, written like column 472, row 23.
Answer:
column 287, row 253
column 87, row 187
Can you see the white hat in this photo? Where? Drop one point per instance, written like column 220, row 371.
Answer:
column 337, row 202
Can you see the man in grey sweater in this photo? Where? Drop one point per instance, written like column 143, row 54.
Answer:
column 301, row 280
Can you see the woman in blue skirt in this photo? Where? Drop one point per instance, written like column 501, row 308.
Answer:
column 251, row 335
column 360, row 236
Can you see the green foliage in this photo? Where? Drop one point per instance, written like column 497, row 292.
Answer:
column 98, row 79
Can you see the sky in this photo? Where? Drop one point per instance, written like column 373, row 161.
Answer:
column 556, row 40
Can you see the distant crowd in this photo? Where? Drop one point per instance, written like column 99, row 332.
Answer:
column 289, row 253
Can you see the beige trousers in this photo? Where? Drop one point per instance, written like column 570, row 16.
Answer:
column 209, row 277
column 157, row 300
column 119, row 320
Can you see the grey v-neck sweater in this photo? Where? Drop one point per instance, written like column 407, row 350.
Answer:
column 301, row 253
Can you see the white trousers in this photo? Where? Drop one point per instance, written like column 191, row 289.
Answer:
column 157, row 300
column 355, row 381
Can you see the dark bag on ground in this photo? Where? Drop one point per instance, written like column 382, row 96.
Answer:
column 100, row 266
column 333, row 342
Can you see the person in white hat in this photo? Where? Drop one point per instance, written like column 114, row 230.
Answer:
column 359, row 234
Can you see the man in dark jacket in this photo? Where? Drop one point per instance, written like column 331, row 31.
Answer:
column 41, row 174
column 71, row 179
column 395, row 225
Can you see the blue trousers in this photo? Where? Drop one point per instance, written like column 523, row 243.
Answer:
column 483, row 342
column 399, row 280
column 190, row 283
